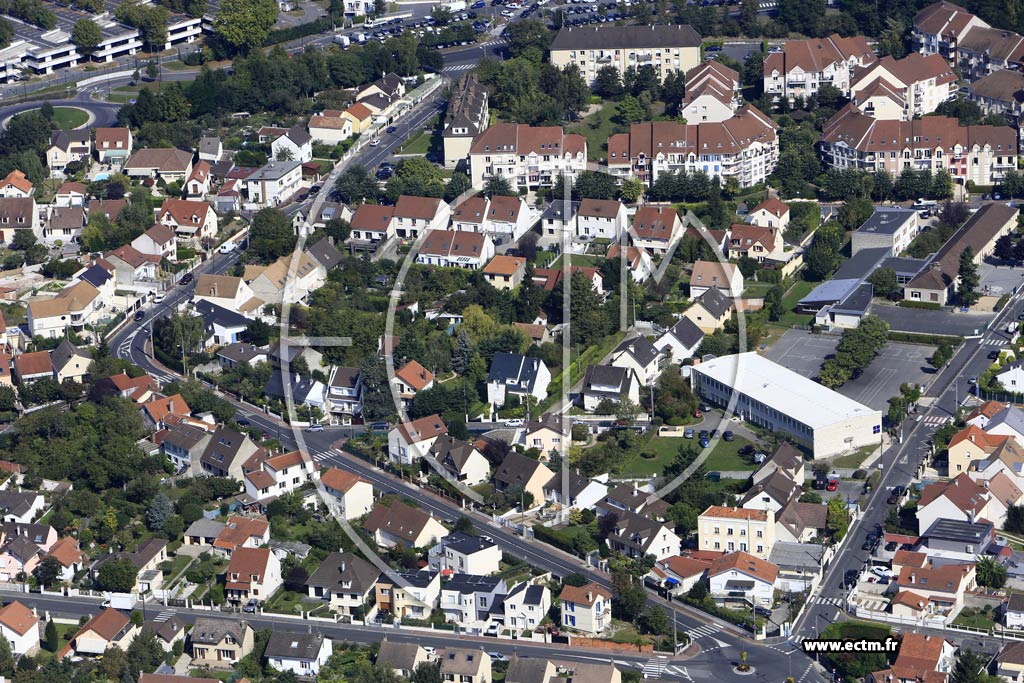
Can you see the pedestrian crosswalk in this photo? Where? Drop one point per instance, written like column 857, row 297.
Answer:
column 163, row 616
column 494, row 43
column 654, row 667
column 678, row 671
column 455, row 68
column 835, row 602
column 935, row 421
column 703, row 631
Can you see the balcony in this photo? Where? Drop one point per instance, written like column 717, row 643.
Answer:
column 604, row 59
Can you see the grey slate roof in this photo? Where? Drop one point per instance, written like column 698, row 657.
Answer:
column 956, row 530
column 209, row 145
column 17, row 503
column 640, row 349
column 465, row 543
column 626, row 37
column 715, row 302
column 1012, row 417
column 687, row 332
column 325, row 253
column 223, row 448
column 399, row 655
column 532, row 593
column 96, row 276
column 214, row 314
column 208, row 631
column 291, row 645
column 206, row 528
column 66, row 138
column 522, row 370
column 795, row 556
column 344, row 571
column 452, row 453
column 241, row 352
column 609, row 381
column 471, row 583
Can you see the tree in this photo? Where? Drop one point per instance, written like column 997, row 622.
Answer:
column 271, row 235
column 654, row 620
column 86, row 35
column 6, row 33
column 837, row 519
column 832, row 374
column 116, row 576
column 630, row 110
column 498, row 186
column 7, row 663
column 885, row 283
column 631, row 190
column 245, row 24
column 51, row 640
column 594, row 185
column 967, row 283
column 991, row 572
column 377, row 400
column 1015, row 519
column 23, row 240
column 295, row 579
column 1004, row 250
column 356, row 186
column 159, row 511
column 529, row 39
column 630, row 596
column 942, row 355
column 773, row 303
column 970, row 668
column 457, row 185
column 810, row 497
column 608, row 83
column 152, row 70
column 48, row 571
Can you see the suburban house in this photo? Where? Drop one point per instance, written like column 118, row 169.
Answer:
column 600, row 219
column 415, row 215
column 16, row 185
column 220, row 643
column 410, row 441
column 415, row 596
column 710, row 311
column 273, row 184
column 741, row 578
column 288, row 144
column 252, row 573
column 452, row 249
column 526, row 606
column 460, row 460
column 545, row 435
column 344, row 581
column 582, row 493
column 655, row 228
column 465, row 665
column 520, row 471
column 754, row 241
column 225, row 291
column 277, row 475
column 607, row 382
column 399, row 523
column 159, row 241
column 167, row 164
column 67, row 146
column 959, row 499
column 707, row 275
column 330, row 127
column 681, row 341
column 19, row 628
column 637, row 536
column 402, row 658
column 637, row 261
column 944, row 586
column 106, row 629
column 516, row 375
column 459, row 553
column 190, row 220
column 731, row 529
column 467, row 599
column 640, row 356
column 352, row 495
column 679, row 574
column 586, row 608
column 921, row 658
column 113, row 145
column 372, row 223
column 505, row 272
column 300, row 653
column 771, row 213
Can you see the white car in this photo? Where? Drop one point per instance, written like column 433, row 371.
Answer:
column 507, row 13
column 514, row 422
column 227, row 248
column 497, row 657
column 158, row 299
column 374, row 142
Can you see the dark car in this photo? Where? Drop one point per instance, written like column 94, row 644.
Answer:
column 746, row 450
column 242, row 422
column 892, row 500
column 704, row 434
column 314, row 190
column 763, row 612
column 384, row 173
column 819, row 483
column 383, row 426
column 728, row 436
column 891, row 546
column 303, row 196
column 186, row 278
column 140, row 314
column 868, row 546
column 704, row 443
column 391, row 129
column 850, row 577
column 993, row 354
column 899, row 490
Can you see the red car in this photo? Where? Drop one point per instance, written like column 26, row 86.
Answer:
column 832, row 485
column 697, row 413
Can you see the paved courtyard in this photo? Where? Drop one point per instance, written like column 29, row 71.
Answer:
column 803, row 353
column 999, row 280
column 925, row 321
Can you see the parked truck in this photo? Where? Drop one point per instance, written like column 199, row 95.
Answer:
column 1012, row 327
column 344, row 41
column 121, row 601
column 359, row 37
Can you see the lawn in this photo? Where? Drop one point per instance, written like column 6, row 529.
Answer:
column 64, row 633
column 596, row 128
column 283, row 602
column 855, row 459
column 725, row 457
column 421, row 143
column 66, row 118
column 585, row 260
column 664, row 448
column 757, row 290
column 974, row 618
column 798, row 291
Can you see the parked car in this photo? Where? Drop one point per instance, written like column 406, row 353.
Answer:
column 833, row 485
column 728, row 435
column 697, row 414
column 315, row 428
column 242, row 422
column 375, row 142
column 251, row 605
column 763, row 612
column 158, row 299
column 497, row 657
column 868, row 546
column 705, row 442
column 139, row 315
column 851, row 576
column 899, row 490
column 688, row 433
column 383, row 426
column 186, row 279
column 819, row 483
column 227, row 248
column 514, row 422
column 704, row 434
column 891, row 546
column 892, row 500
column 746, row 450
column 993, row 354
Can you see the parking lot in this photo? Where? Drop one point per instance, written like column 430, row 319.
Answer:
column 803, row 353
column 999, row 280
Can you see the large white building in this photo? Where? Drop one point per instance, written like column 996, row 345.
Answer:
column 526, row 156
column 771, row 396
column 801, row 67
column 667, row 48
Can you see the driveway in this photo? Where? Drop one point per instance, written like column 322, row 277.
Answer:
column 999, row 280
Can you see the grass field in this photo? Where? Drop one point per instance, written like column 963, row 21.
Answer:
column 69, row 117
column 855, row 459
column 422, row 143
column 725, row 457
column 798, row 291
column 665, row 448
column 596, row 128
column 587, row 260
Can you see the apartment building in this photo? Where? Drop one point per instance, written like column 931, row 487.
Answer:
column 744, row 147
column 730, row 529
column 802, row 67
column 902, row 89
column 1001, row 92
column 667, row 48
column 982, row 154
column 527, row 156
column 468, row 115
column 938, row 28
column 712, row 93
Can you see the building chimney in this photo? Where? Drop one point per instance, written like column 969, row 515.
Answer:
column 590, row 596
column 913, row 577
column 342, row 567
column 170, row 406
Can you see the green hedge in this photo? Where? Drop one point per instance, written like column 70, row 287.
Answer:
column 1001, row 304
column 732, row 616
column 929, row 339
column 283, row 35
column 930, row 305
column 552, row 537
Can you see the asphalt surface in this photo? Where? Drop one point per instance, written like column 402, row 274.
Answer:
column 899, row 466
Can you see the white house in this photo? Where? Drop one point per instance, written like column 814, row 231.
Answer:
column 609, row 382
column 454, row 249
column 273, row 184
column 190, row 220
column 410, row 441
column 252, row 573
column 415, row 215
column 301, row 653
column 344, row 581
column 586, row 608
column 468, row 598
column 461, row 460
column 600, row 219
column 1013, row 613
column 526, row 605
column 461, row 553
column 278, row 475
column 516, row 375
column 681, row 341
column 353, row 495
column 707, row 275
column 640, row 356
column 292, row 144
column 19, row 627
column 344, row 392
column 400, row 524
column 583, row 493
column 637, row 261
column 330, row 127
column 741, row 578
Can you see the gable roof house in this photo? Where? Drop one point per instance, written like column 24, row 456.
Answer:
column 637, row 536
column 616, row 384
column 18, row 213
column 226, row 452
column 518, row 470
column 526, row 605
column 343, row 581
column 453, row 249
column 159, row 240
column 586, row 608
column 741, row 578
column 113, row 145
column 516, row 375
column 300, row 653
column 252, row 573
column 707, row 275
column 402, row 658
column 655, row 228
column 352, row 495
column 372, row 223
column 67, row 146
column 16, row 185
column 640, row 356
column 293, row 144
column 410, row 441
column 399, row 523
column 754, row 242
column 166, row 164
column 415, row 215
column 505, row 272
column 710, row 311
column 467, row 116
column 771, row 213
column 19, row 627
column 106, row 629
column 32, row 367
column 220, row 643
column 681, row 341
column 191, row 220
column 921, row 657
column 461, row 460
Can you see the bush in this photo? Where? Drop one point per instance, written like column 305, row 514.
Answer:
column 860, row 474
column 930, row 305
column 928, row 339
column 1001, row 304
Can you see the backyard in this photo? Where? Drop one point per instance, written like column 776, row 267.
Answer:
column 798, row 291
column 724, row 456
column 596, row 128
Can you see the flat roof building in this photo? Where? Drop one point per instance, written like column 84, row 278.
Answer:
column 891, row 227
column 771, row 396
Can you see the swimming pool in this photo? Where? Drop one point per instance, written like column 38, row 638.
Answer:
column 102, row 176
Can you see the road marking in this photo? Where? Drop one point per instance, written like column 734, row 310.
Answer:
column 703, row 631
column 458, row 67
column 654, row 667
column 806, row 671
column 935, row 421
column 679, row 671
column 835, row 602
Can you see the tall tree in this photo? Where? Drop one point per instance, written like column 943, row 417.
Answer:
column 86, row 35
column 968, row 280
column 245, row 24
